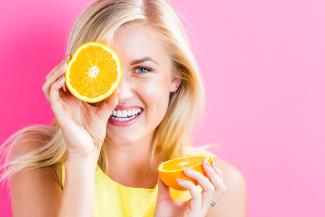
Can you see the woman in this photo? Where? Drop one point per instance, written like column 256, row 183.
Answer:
column 91, row 162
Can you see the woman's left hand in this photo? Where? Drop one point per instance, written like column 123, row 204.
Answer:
column 198, row 206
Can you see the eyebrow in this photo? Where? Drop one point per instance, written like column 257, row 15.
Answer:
column 143, row 60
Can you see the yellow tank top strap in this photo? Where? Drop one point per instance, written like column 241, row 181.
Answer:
column 62, row 173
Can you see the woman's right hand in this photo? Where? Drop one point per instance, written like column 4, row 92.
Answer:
column 83, row 125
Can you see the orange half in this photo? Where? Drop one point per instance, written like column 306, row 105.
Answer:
column 172, row 169
column 94, row 72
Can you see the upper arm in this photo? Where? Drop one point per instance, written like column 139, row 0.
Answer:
column 233, row 201
column 35, row 192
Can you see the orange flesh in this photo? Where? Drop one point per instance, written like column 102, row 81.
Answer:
column 179, row 164
column 94, row 75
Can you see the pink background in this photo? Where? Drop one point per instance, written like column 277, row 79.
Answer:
column 263, row 65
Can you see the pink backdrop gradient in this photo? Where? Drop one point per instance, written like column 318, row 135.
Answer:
column 263, row 64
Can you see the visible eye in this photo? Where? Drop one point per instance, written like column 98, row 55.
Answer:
column 143, row 70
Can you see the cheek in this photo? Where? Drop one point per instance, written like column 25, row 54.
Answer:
column 155, row 96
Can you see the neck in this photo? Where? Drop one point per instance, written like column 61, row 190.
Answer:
column 129, row 163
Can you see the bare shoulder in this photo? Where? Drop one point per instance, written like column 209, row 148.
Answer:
column 32, row 142
column 231, row 174
column 34, row 192
column 234, row 199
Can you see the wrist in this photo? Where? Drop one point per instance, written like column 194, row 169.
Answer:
column 83, row 156
column 85, row 162
column 80, row 172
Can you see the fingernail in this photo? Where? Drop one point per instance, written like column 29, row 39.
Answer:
column 180, row 181
column 206, row 162
column 219, row 171
column 188, row 170
column 214, row 164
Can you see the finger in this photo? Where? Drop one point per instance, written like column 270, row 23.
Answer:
column 54, row 72
column 107, row 107
column 213, row 176
column 202, row 180
column 216, row 180
column 54, row 89
column 216, row 168
column 163, row 191
column 54, row 95
column 195, row 202
column 57, row 72
column 48, row 89
column 54, row 69
column 65, row 87
column 207, row 186
column 67, row 58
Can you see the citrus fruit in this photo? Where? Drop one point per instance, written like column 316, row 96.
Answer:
column 93, row 72
column 172, row 169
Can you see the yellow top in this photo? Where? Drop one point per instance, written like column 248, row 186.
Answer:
column 113, row 199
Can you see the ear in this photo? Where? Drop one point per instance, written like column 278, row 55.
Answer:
column 175, row 84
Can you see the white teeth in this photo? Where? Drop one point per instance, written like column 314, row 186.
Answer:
column 125, row 114
column 122, row 119
column 130, row 112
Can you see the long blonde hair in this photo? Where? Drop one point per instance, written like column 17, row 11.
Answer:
column 103, row 17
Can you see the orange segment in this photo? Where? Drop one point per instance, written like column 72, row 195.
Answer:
column 93, row 72
column 172, row 169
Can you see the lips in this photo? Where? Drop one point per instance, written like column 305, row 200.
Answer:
column 126, row 107
column 125, row 121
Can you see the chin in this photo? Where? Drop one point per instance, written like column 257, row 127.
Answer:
column 122, row 137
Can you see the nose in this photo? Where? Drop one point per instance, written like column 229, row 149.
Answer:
column 124, row 91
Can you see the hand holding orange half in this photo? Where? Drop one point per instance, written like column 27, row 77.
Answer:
column 93, row 72
column 174, row 168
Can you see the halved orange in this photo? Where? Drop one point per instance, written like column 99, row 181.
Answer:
column 172, row 169
column 93, row 72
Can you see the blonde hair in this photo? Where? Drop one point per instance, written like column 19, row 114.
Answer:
column 104, row 17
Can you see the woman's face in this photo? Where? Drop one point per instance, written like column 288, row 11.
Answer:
column 146, row 84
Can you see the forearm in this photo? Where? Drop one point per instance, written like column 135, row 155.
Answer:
column 79, row 189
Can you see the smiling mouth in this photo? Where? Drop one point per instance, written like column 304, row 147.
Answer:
column 126, row 115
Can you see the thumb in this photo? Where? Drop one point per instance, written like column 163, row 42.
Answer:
column 107, row 107
column 163, row 190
